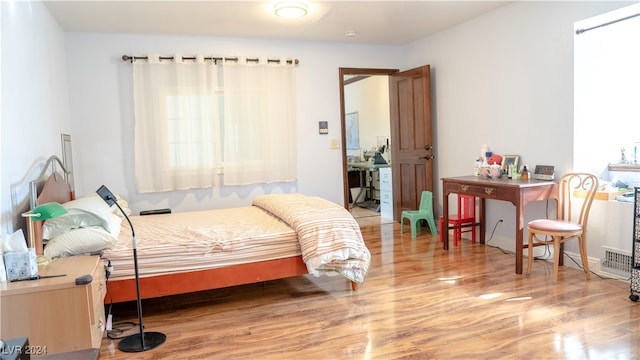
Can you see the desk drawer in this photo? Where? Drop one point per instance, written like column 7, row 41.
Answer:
column 385, row 179
column 386, row 204
column 484, row 191
column 477, row 190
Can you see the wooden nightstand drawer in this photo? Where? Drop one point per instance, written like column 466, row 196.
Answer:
column 98, row 292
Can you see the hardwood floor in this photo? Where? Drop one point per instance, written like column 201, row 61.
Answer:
column 418, row 302
column 367, row 217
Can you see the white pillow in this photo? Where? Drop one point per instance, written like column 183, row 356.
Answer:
column 75, row 219
column 123, row 204
column 87, row 211
column 79, row 241
column 93, row 202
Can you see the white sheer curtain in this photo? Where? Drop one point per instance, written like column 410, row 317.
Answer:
column 201, row 124
column 259, row 122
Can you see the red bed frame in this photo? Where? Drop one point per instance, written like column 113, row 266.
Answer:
column 56, row 189
column 180, row 283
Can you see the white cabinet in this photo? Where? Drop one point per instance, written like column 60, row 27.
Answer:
column 386, row 193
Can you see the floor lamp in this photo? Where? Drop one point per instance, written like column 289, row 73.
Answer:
column 141, row 341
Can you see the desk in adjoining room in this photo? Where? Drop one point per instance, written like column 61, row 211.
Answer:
column 517, row 192
column 365, row 183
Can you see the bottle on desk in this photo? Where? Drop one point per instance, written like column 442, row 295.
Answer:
column 525, row 173
column 476, row 167
column 515, row 175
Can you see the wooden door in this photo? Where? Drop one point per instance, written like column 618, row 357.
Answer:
column 411, row 137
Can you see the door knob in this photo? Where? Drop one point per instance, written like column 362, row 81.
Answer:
column 428, row 147
column 428, row 157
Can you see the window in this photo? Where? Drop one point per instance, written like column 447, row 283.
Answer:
column 606, row 109
column 206, row 123
column 190, row 130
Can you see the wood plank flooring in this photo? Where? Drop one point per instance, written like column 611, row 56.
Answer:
column 418, row 302
column 367, row 217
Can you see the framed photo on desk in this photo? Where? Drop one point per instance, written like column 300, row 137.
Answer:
column 509, row 160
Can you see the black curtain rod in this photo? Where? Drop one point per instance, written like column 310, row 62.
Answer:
column 580, row 31
column 212, row 58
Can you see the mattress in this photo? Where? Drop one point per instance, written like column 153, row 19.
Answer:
column 199, row 240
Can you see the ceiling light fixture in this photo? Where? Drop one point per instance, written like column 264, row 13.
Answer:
column 291, row 9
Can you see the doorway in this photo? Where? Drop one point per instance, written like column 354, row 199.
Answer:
column 410, row 132
column 364, row 106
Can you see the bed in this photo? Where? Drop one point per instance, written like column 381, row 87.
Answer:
column 278, row 236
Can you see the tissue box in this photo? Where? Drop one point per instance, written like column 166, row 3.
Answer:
column 21, row 265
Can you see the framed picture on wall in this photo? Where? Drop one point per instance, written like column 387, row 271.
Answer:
column 509, row 160
column 353, row 131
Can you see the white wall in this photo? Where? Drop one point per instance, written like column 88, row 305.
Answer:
column 370, row 98
column 102, row 112
column 505, row 79
column 35, row 108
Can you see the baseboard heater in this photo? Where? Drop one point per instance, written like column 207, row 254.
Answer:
column 616, row 261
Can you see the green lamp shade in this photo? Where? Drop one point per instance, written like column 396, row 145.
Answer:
column 47, row 211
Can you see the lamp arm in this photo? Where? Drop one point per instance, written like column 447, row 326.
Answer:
column 133, row 233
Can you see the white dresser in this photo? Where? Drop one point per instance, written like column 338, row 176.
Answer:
column 386, row 193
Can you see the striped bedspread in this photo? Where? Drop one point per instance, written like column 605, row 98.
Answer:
column 330, row 238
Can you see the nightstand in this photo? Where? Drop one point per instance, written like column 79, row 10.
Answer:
column 54, row 313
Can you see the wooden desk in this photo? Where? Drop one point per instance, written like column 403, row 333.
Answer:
column 517, row 192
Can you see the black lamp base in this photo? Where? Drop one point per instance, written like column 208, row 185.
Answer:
column 133, row 343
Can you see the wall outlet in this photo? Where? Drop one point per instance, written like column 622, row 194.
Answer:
column 335, row 144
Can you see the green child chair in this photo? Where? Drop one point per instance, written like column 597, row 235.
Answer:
column 424, row 213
